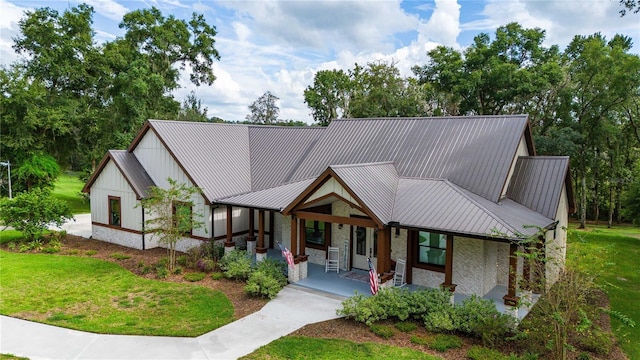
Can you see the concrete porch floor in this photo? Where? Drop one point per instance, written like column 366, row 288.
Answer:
column 336, row 284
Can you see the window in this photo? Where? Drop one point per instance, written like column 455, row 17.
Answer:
column 314, row 232
column 432, row 248
column 115, row 213
column 182, row 215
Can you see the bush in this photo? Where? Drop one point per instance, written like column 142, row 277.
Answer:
column 479, row 317
column 206, row 265
column 384, row 331
column 443, row 343
column 236, row 265
column 483, row 353
column 420, row 340
column 204, row 251
column 406, row 326
column 162, row 272
column 119, row 256
column 267, row 279
column 182, row 260
column 193, row 277
column 596, row 341
column 217, row 275
column 91, row 252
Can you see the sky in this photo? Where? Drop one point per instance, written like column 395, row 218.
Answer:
column 278, row 46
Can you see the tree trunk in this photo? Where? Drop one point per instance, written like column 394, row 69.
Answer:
column 583, row 201
column 611, row 207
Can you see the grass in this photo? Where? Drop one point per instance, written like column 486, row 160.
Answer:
column 98, row 296
column 612, row 256
column 7, row 236
column 295, row 347
column 67, row 188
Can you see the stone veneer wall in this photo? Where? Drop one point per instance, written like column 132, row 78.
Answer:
column 116, row 236
column 398, row 244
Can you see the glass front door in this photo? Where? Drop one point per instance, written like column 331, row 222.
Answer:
column 365, row 244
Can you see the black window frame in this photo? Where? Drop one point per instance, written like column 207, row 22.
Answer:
column 112, row 220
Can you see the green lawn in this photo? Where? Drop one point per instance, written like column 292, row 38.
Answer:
column 68, row 188
column 99, row 296
column 295, row 347
column 8, row 236
column 612, row 255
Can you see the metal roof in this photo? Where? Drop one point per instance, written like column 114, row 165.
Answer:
column 133, row 171
column 275, row 198
column 441, row 205
column 475, row 152
column 277, row 151
column 374, row 184
column 537, row 182
column 215, row 156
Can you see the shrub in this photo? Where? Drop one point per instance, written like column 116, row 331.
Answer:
column 406, row 326
column 420, row 340
column 119, row 256
column 236, row 265
column 206, row 265
column 443, row 343
column 384, row 331
column 267, row 279
column 162, row 272
column 91, row 252
column 193, row 277
column 182, row 260
column 177, row 270
column 596, row 341
column 217, row 275
column 479, row 317
column 483, row 353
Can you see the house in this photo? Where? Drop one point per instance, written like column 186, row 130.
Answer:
column 455, row 197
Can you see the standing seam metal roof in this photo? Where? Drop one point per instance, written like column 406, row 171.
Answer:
column 133, row 171
column 474, row 152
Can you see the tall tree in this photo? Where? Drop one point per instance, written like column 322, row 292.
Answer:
column 192, row 109
column 264, row 110
column 328, row 97
column 629, row 5
column 604, row 77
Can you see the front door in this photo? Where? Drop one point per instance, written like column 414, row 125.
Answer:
column 365, row 244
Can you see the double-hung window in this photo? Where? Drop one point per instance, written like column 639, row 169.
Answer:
column 315, row 232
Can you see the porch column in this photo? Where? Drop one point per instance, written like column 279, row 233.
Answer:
column 301, row 259
column 511, row 298
column 526, row 268
column 272, row 228
column 261, row 250
column 384, row 250
column 294, row 276
column 251, row 239
column 229, row 244
column 448, row 267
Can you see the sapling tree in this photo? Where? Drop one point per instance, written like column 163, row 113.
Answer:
column 32, row 212
column 171, row 215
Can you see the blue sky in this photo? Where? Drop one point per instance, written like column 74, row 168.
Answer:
column 279, row 46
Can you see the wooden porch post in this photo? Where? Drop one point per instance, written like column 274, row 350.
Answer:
column 526, row 268
column 294, row 235
column 251, row 236
column 384, row 250
column 229, row 243
column 272, row 227
column 511, row 299
column 303, row 237
column 448, row 266
column 261, row 248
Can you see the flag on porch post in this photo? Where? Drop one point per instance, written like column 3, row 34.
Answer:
column 286, row 254
column 373, row 278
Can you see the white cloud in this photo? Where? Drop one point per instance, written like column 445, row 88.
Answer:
column 108, row 8
column 11, row 15
column 444, row 25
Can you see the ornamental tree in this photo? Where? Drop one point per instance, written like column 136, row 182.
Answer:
column 33, row 212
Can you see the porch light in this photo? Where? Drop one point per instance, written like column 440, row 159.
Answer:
column 339, row 226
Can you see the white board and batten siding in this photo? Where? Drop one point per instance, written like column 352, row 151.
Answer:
column 112, row 183
column 523, row 150
column 160, row 166
column 332, row 186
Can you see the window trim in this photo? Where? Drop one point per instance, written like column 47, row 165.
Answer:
column 109, row 215
column 174, row 205
column 416, row 256
column 326, row 237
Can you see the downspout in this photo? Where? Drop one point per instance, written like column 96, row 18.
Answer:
column 143, row 232
column 213, row 237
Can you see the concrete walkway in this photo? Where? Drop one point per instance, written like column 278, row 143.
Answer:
column 293, row 308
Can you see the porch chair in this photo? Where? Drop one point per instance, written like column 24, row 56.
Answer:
column 399, row 275
column 333, row 259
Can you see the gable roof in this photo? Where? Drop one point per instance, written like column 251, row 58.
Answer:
column 228, row 159
column 537, row 183
column 129, row 166
column 474, row 152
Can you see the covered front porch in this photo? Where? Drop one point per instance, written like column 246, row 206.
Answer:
column 347, row 283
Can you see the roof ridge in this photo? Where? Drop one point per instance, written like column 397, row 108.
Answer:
column 362, row 164
column 457, row 189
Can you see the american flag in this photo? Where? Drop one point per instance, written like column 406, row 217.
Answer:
column 373, row 278
column 286, row 254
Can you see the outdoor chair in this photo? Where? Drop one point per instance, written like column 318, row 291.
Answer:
column 333, row 259
column 399, row 275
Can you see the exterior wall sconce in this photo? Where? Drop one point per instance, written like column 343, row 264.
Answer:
column 339, row 226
